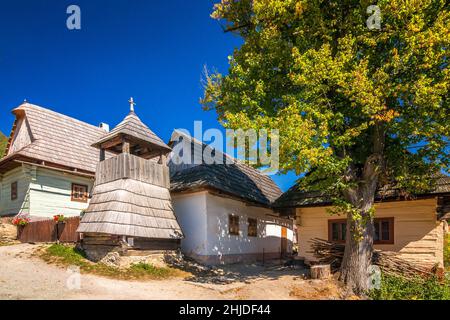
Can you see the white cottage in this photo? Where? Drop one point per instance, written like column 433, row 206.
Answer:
column 49, row 164
column 224, row 210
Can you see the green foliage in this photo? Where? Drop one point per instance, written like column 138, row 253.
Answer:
column 3, row 143
column 356, row 108
column 336, row 89
column 395, row 288
column 342, row 207
column 447, row 253
column 69, row 255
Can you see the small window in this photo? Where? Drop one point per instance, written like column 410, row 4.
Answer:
column 252, row 227
column 14, row 190
column 233, row 224
column 337, row 230
column 79, row 193
column 383, row 230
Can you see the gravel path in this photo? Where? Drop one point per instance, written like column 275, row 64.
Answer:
column 23, row 276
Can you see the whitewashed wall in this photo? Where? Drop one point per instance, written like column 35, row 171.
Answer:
column 190, row 210
column 220, row 242
column 204, row 220
column 50, row 193
column 21, row 205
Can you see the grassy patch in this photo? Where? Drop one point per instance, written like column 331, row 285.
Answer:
column 68, row 255
column 395, row 288
column 65, row 254
column 142, row 269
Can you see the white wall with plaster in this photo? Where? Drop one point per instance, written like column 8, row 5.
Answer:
column 204, row 219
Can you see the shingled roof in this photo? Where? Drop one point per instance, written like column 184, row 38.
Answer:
column 131, row 197
column 298, row 197
column 57, row 139
column 235, row 179
column 133, row 127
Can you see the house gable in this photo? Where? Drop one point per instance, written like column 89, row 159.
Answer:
column 42, row 136
column 21, row 135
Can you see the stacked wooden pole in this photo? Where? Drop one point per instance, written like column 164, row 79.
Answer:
column 389, row 262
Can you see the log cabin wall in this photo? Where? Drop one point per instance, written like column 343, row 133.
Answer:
column 418, row 234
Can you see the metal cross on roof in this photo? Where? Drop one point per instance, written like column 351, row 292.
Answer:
column 132, row 104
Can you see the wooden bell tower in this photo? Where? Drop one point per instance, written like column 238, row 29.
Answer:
column 131, row 206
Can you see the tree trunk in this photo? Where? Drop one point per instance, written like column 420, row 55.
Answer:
column 358, row 255
column 320, row 271
column 355, row 268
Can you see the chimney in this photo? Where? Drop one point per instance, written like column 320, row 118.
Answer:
column 104, row 126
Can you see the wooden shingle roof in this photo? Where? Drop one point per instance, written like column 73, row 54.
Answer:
column 232, row 177
column 58, row 139
column 298, row 197
column 133, row 127
column 235, row 179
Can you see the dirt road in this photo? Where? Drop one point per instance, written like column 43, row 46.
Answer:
column 24, row 276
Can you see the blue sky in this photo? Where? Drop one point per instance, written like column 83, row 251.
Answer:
column 152, row 50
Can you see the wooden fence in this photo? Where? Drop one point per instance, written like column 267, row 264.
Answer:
column 50, row 231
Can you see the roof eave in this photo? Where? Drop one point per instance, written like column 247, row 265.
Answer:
column 155, row 146
column 16, row 159
column 220, row 192
column 377, row 200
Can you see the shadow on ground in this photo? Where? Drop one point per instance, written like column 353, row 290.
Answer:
column 245, row 273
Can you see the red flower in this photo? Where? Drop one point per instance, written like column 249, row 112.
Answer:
column 59, row 218
column 20, row 221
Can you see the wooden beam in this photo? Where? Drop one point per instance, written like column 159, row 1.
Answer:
column 102, row 154
column 126, row 147
column 111, row 143
column 162, row 159
column 57, row 168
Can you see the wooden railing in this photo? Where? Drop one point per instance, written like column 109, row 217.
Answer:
column 126, row 165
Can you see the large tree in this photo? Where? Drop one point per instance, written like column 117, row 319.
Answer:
column 357, row 107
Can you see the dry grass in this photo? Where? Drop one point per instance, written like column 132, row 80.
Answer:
column 8, row 243
column 63, row 255
column 318, row 290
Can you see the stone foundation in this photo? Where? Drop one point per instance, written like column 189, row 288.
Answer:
column 123, row 257
column 157, row 258
column 121, row 252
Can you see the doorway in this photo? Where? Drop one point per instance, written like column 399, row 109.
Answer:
column 284, row 243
